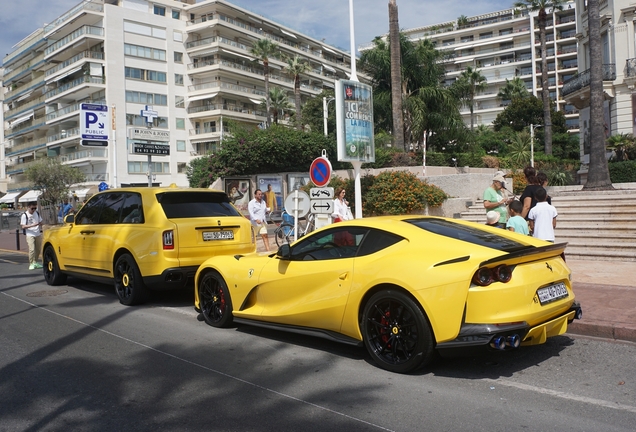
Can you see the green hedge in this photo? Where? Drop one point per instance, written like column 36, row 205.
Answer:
column 623, row 172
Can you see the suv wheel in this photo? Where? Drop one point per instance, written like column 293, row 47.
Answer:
column 129, row 286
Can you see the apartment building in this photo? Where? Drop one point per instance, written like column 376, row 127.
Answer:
column 619, row 71
column 506, row 44
column 186, row 64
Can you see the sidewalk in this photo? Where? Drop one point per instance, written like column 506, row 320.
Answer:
column 605, row 289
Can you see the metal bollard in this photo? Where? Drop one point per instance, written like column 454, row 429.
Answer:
column 17, row 239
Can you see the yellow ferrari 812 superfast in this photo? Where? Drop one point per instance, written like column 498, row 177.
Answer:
column 403, row 286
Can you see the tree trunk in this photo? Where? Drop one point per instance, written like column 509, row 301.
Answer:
column 396, row 77
column 545, row 88
column 266, row 74
column 299, row 119
column 598, row 172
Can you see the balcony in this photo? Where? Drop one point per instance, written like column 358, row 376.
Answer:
column 13, row 73
column 630, row 72
column 26, row 147
column 75, row 83
column 86, row 54
column 93, row 154
column 82, row 31
column 63, row 135
column 582, row 80
column 84, row 6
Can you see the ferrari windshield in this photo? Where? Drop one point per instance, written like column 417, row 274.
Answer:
column 468, row 234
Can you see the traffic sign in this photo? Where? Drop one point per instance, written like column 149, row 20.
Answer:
column 321, row 193
column 320, row 171
column 94, row 122
column 298, row 203
column 322, row 206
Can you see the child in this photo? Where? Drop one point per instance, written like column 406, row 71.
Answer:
column 492, row 219
column 542, row 217
column 516, row 222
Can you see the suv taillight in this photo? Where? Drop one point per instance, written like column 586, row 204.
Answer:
column 168, row 239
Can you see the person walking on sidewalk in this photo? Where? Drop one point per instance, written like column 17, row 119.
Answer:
column 258, row 211
column 31, row 223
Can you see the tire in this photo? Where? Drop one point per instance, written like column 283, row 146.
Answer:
column 396, row 332
column 129, row 286
column 52, row 273
column 283, row 234
column 214, row 301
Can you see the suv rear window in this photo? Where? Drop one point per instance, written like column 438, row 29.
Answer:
column 468, row 234
column 196, row 204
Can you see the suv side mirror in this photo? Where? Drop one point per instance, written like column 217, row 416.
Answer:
column 69, row 219
column 284, row 252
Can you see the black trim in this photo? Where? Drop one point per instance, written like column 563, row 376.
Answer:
column 321, row 333
column 527, row 251
column 172, row 278
column 453, row 261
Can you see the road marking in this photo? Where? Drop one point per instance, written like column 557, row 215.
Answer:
column 241, row 380
column 7, row 261
column 563, row 395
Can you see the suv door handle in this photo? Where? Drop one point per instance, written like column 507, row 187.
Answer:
column 87, row 232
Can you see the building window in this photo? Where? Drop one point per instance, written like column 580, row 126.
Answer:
column 181, row 145
column 146, row 98
column 177, row 36
column 160, row 10
column 181, row 123
column 178, row 57
column 179, row 102
column 138, row 120
column 178, row 79
column 145, row 75
column 145, row 52
column 176, row 14
column 143, row 29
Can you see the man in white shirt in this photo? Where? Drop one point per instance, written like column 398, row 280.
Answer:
column 258, row 210
column 31, row 223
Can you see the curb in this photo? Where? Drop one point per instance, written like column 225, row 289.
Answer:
column 604, row 331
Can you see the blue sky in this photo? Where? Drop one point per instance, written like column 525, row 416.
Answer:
column 328, row 19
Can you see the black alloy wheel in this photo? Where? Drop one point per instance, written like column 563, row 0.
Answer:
column 214, row 301
column 129, row 285
column 396, row 332
column 52, row 273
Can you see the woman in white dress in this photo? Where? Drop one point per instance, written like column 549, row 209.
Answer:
column 341, row 210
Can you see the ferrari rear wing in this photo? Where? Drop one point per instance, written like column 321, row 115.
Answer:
column 528, row 254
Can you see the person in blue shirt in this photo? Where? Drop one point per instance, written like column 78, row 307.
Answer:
column 64, row 210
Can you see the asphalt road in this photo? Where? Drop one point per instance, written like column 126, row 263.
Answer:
column 72, row 358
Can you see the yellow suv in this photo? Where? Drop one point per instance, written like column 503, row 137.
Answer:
column 145, row 239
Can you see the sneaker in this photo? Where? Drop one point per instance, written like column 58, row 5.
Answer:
column 38, row 265
column 31, row 266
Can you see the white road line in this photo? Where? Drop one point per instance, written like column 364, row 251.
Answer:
column 284, row 395
column 563, row 395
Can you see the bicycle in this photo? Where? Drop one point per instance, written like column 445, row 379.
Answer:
column 284, row 232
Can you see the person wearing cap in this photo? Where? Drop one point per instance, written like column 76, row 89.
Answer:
column 492, row 218
column 495, row 200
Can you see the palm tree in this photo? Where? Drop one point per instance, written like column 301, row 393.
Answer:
column 263, row 49
column 514, row 88
column 295, row 67
column 541, row 6
column 598, row 177
column 469, row 83
column 396, row 77
column 279, row 102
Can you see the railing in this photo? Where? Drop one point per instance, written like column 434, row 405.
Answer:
column 235, row 108
column 87, row 5
column 201, row 42
column 74, row 83
column 97, row 31
column 15, row 92
column 70, row 133
column 97, row 177
column 86, row 54
column 8, row 75
column 582, row 80
column 35, row 123
column 630, row 68
column 243, row 68
column 25, row 44
column 95, row 153
column 201, row 131
column 23, row 107
column 69, row 109
column 227, row 86
column 30, row 145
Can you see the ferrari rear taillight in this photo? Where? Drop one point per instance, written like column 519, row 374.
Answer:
column 168, row 240
column 485, row 275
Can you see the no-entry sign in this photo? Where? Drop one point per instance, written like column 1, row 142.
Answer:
column 320, row 171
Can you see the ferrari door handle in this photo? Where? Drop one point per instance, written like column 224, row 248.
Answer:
column 87, row 232
column 343, row 276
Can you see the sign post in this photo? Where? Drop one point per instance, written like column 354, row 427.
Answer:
column 297, row 204
column 94, row 125
column 322, row 205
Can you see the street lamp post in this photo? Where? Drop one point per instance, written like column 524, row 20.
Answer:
column 532, row 128
column 325, row 102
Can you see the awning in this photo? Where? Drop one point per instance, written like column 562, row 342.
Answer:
column 328, row 49
column 201, row 97
column 257, row 101
column 329, row 68
column 288, row 33
column 24, row 96
column 81, row 193
column 31, row 195
column 463, row 47
column 10, row 197
column 204, row 53
column 21, row 119
column 492, row 41
column 64, row 75
column 237, row 54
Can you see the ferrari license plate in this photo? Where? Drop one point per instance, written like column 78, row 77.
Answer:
column 552, row 293
column 218, row 235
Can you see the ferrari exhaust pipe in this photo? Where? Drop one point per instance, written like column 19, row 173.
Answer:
column 498, row 342
column 513, row 341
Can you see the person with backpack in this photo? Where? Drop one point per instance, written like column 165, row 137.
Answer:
column 31, row 224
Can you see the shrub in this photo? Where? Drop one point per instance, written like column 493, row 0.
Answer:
column 623, row 172
column 400, row 192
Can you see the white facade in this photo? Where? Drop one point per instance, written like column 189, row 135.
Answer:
column 190, row 63
column 501, row 45
column 619, row 70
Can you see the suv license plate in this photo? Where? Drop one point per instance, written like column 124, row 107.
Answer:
column 552, row 293
column 218, row 235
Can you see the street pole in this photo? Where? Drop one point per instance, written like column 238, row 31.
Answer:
column 357, row 165
column 532, row 128
column 325, row 111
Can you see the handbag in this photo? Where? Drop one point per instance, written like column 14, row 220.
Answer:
column 263, row 230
